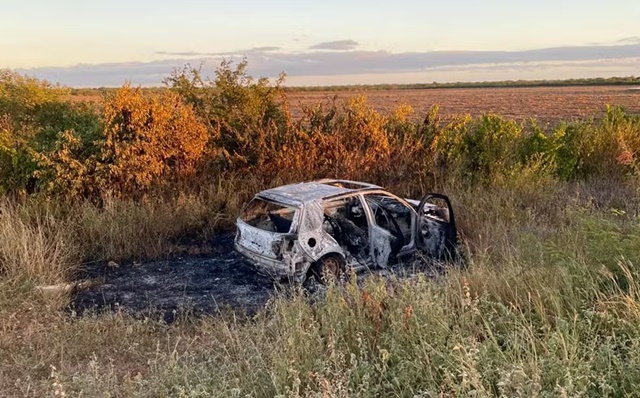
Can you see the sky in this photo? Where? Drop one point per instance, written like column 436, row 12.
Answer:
column 104, row 43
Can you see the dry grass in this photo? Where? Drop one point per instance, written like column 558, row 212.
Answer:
column 549, row 304
column 125, row 230
column 159, row 227
column 44, row 241
column 36, row 247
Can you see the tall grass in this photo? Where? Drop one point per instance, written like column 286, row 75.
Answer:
column 555, row 315
column 548, row 306
column 35, row 245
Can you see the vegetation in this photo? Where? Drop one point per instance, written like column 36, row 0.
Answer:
column 549, row 305
column 199, row 129
column 596, row 81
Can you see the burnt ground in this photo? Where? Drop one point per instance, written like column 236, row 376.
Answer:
column 198, row 285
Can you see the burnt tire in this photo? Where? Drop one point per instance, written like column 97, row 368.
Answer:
column 329, row 268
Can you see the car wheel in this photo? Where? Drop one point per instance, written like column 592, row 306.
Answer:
column 329, row 268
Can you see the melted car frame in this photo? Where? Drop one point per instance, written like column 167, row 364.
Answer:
column 324, row 227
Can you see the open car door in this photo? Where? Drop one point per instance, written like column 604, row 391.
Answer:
column 436, row 233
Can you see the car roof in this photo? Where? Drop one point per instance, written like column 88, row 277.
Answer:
column 304, row 192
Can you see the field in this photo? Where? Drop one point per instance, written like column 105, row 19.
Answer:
column 127, row 201
column 545, row 104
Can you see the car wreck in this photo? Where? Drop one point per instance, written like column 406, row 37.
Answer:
column 323, row 228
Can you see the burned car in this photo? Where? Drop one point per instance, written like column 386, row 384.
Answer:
column 325, row 227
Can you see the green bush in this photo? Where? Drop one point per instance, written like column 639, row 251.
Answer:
column 33, row 117
column 237, row 108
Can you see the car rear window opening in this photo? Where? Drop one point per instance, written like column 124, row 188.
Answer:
column 269, row 216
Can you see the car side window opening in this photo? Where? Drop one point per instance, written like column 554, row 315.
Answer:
column 392, row 215
column 269, row 216
column 437, row 211
column 346, row 221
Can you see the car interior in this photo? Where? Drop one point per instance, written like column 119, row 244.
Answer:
column 346, row 221
column 269, row 216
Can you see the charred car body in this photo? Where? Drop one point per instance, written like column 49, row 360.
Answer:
column 324, row 227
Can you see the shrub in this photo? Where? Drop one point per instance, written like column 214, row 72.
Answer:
column 200, row 128
column 238, row 110
column 590, row 148
column 33, row 114
column 146, row 138
column 144, row 141
column 479, row 151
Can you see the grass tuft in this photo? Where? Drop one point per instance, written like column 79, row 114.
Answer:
column 35, row 247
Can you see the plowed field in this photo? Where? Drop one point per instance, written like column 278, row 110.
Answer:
column 547, row 104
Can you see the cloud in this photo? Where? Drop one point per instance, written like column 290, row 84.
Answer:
column 630, row 40
column 477, row 73
column 184, row 53
column 338, row 45
column 263, row 49
column 333, row 63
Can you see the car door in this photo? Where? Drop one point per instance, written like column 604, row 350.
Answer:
column 436, row 234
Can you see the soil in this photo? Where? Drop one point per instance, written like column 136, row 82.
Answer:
column 548, row 105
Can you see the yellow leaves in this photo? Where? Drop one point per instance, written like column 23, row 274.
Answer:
column 6, row 136
column 146, row 140
column 625, row 157
column 403, row 112
column 148, row 137
column 24, row 92
column 351, row 141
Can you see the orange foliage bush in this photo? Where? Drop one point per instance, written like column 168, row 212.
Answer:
column 350, row 141
column 145, row 139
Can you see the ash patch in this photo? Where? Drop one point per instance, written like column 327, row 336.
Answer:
column 199, row 285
